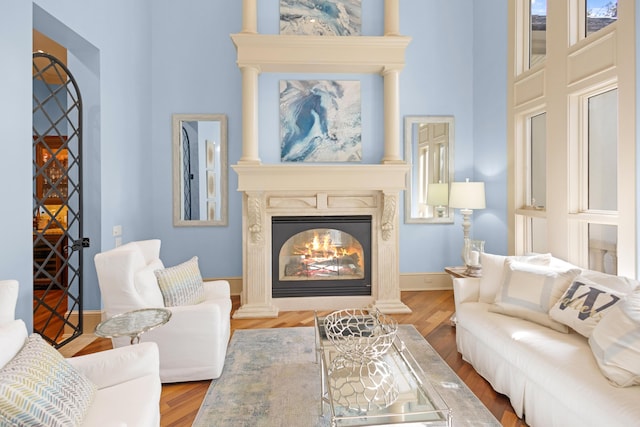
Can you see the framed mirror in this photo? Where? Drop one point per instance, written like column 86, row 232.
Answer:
column 199, row 170
column 429, row 142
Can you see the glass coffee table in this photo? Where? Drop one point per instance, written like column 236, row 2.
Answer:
column 389, row 389
column 133, row 323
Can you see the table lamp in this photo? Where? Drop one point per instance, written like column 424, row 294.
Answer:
column 467, row 196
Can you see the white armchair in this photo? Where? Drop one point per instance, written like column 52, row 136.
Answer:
column 193, row 344
column 127, row 379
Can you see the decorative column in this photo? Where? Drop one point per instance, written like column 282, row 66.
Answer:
column 391, row 117
column 249, row 16
column 391, row 17
column 249, row 115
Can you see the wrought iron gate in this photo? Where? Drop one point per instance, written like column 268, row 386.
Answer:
column 57, row 202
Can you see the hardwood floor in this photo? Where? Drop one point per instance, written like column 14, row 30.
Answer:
column 180, row 402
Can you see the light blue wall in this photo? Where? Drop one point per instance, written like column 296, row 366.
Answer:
column 142, row 61
column 490, row 121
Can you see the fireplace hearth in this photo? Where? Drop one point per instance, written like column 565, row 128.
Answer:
column 321, row 256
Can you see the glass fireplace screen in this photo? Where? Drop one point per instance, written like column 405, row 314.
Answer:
column 321, row 254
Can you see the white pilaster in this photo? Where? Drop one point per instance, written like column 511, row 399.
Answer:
column 391, row 17
column 391, row 117
column 249, row 115
column 249, row 16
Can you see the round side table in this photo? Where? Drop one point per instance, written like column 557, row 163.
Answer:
column 133, row 323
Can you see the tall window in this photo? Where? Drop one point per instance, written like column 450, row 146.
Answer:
column 603, row 151
column 599, row 14
column 537, row 31
column 537, row 154
column 572, row 132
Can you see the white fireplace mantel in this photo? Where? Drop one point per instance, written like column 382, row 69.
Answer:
column 319, row 190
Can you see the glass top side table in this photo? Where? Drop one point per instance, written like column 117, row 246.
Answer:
column 133, row 323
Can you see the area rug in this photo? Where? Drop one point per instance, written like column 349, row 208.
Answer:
column 271, row 379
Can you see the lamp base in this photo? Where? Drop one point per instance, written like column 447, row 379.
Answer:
column 473, row 271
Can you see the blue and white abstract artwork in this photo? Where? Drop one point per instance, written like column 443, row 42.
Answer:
column 320, row 121
column 320, row 17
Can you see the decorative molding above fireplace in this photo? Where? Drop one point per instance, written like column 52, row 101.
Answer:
column 319, row 190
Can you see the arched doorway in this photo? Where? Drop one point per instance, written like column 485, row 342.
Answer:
column 57, row 201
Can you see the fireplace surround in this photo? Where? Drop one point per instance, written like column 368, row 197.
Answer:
column 319, row 191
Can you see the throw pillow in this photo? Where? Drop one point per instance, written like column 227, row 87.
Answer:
column 39, row 388
column 182, row 284
column 493, row 269
column 615, row 342
column 584, row 304
column 529, row 291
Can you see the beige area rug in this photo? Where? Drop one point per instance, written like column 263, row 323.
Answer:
column 271, row 379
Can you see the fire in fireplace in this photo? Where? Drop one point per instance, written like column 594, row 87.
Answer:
column 321, row 256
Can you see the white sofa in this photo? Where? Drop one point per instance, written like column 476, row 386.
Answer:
column 193, row 344
column 127, row 379
column 551, row 378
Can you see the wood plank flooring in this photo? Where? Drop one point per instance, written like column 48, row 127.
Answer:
column 180, row 402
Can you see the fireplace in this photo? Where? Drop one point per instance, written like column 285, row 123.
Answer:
column 321, row 255
column 316, row 192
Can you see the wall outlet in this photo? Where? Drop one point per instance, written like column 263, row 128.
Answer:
column 118, row 241
column 117, row 231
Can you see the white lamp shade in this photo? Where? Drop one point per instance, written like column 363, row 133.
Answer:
column 467, row 195
column 438, row 194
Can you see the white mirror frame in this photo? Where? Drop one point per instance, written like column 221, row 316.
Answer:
column 410, row 146
column 215, row 188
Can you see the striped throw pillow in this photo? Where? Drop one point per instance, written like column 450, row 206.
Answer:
column 182, row 284
column 39, row 388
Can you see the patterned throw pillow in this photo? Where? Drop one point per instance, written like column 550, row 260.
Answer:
column 182, row 284
column 529, row 291
column 39, row 388
column 615, row 342
column 584, row 304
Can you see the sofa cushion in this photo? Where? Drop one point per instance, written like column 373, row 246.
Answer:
column 615, row 342
column 529, row 291
column 182, row 284
column 38, row 387
column 493, row 270
column 584, row 304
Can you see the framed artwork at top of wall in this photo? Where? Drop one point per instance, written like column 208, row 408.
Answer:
column 321, row 17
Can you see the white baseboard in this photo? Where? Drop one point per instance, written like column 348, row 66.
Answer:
column 408, row 282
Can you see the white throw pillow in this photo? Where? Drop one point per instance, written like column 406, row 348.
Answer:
column 529, row 291
column 615, row 342
column 493, row 270
column 584, row 304
column 39, row 388
column 182, row 284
